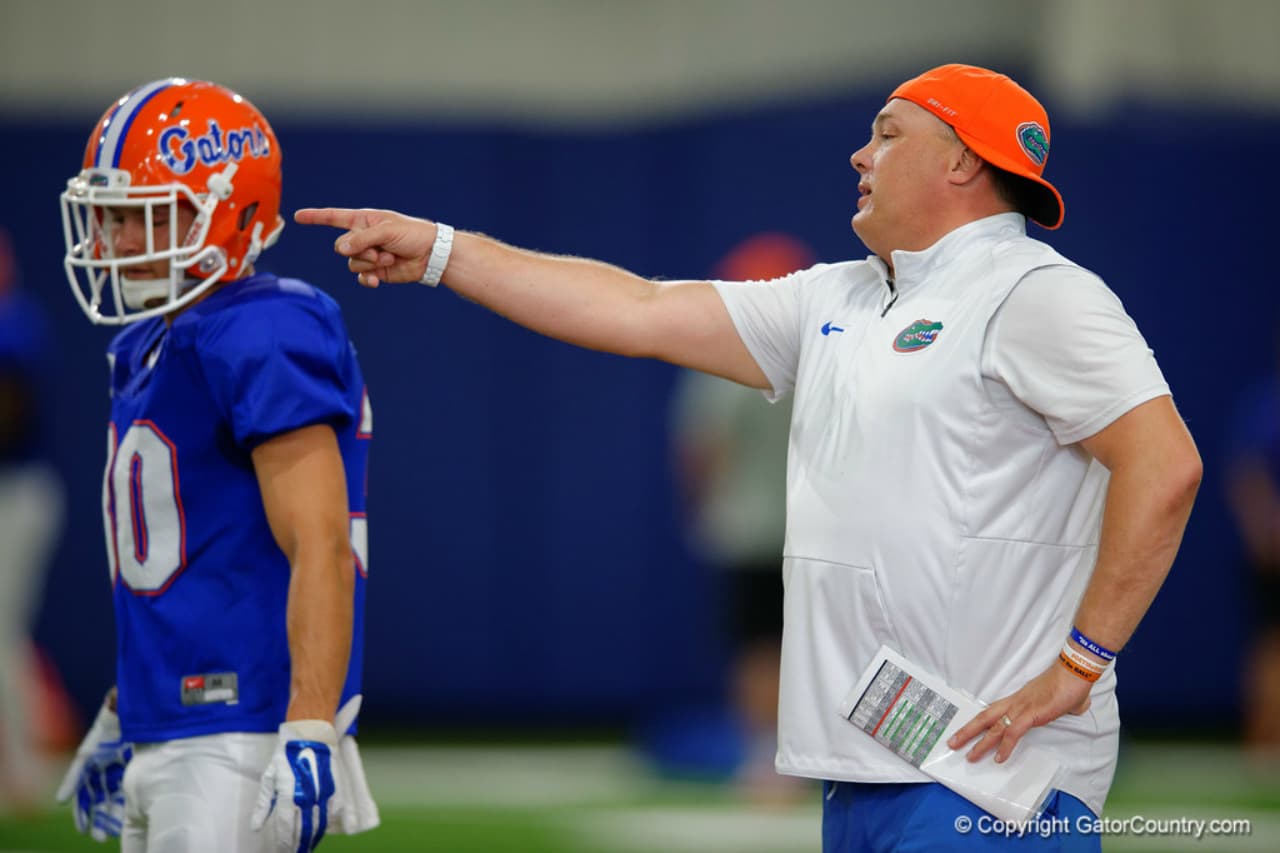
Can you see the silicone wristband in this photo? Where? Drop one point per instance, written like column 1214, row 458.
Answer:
column 441, row 248
column 1078, row 671
column 1083, row 660
column 1099, row 650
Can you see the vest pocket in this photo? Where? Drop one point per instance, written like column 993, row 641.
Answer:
column 840, row 609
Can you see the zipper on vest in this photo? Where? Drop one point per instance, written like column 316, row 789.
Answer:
column 893, row 296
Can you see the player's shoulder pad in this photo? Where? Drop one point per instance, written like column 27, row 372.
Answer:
column 265, row 292
column 253, row 318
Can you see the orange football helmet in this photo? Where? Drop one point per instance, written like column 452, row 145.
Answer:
column 168, row 143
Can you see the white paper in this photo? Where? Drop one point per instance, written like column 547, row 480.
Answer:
column 913, row 712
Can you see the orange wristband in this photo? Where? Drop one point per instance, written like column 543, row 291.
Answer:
column 1082, row 660
column 1078, row 670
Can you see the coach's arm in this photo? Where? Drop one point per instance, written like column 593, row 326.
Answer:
column 1155, row 473
column 583, row 302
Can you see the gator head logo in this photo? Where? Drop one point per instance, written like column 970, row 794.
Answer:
column 917, row 336
column 1034, row 142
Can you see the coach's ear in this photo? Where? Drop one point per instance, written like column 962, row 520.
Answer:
column 965, row 165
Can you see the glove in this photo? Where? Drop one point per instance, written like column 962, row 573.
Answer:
column 95, row 777
column 359, row 812
column 297, row 798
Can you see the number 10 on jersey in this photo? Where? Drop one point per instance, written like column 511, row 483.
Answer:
column 142, row 505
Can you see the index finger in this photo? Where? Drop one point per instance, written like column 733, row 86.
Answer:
column 338, row 217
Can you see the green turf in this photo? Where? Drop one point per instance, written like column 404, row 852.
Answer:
column 594, row 799
column 456, row 830
column 402, row 829
column 464, row 831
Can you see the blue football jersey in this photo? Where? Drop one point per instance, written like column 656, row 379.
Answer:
column 199, row 584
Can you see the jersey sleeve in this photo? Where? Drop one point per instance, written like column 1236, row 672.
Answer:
column 767, row 315
column 1063, row 345
column 278, row 365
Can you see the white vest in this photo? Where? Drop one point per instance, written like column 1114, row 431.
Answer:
column 928, row 509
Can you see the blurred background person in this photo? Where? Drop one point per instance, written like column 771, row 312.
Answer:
column 730, row 446
column 31, row 501
column 1253, row 489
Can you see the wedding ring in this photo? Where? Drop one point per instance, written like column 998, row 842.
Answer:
column 1004, row 718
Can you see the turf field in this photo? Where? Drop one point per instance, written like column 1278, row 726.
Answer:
column 603, row 799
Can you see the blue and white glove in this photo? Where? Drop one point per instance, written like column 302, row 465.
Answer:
column 297, row 798
column 95, row 777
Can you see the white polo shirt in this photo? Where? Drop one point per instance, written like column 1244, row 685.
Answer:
column 936, row 502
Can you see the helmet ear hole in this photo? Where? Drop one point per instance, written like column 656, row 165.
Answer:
column 246, row 216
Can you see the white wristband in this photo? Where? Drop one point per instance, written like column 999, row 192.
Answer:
column 439, row 259
column 1084, row 660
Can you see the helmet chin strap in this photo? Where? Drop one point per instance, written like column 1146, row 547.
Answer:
column 138, row 292
column 209, row 265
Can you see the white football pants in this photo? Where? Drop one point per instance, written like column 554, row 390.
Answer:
column 195, row 794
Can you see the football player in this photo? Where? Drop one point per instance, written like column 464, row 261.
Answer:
column 233, row 497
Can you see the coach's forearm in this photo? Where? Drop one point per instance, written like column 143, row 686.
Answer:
column 579, row 301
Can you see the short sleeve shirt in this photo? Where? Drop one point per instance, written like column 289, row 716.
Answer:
column 1063, row 345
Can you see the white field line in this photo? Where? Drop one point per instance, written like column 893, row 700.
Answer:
column 702, row 829
column 505, row 777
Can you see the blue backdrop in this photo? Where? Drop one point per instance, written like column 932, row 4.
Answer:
column 527, row 564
